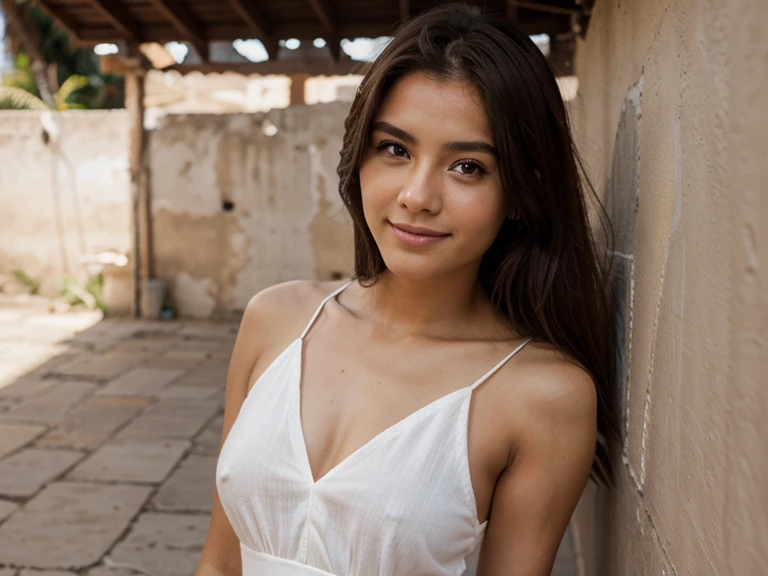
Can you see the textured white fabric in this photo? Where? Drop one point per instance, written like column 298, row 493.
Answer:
column 401, row 505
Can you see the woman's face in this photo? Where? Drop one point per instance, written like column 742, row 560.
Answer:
column 429, row 178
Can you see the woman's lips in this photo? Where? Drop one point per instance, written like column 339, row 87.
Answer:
column 417, row 236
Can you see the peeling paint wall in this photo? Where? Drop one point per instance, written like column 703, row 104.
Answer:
column 243, row 201
column 64, row 200
column 235, row 207
column 671, row 119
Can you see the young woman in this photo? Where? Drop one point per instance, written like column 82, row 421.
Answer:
column 450, row 394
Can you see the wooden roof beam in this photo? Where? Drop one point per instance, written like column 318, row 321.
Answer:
column 325, row 14
column 119, row 17
column 330, row 23
column 313, row 67
column 183, row 21
column 61, row 18
column 301, row 30
column 542, row 7
column 511, row 11
column 405, row 9
column 257, row 24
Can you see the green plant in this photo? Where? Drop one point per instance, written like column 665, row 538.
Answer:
column 32, row 283
column 90, row 294
column 43, row 55
column 18, row 98
column 12, row 98
column 70, row 86
column 21, row 75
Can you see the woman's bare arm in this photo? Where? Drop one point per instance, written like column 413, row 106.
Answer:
column 221, row 553
column 537, row 493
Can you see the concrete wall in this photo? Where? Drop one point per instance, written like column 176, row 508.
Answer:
column 239, row 201
column 66, row 199
column 672, row 121
column 242, row 201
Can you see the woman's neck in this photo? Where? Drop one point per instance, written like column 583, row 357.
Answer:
column 427, row 307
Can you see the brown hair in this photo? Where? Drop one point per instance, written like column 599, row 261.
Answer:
column 543, row 272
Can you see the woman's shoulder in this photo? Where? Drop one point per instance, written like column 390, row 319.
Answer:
column 549, row 388
column 550, row 374
column 286, row 305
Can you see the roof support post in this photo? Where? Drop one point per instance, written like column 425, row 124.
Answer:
column 134, row 102
column 297, row 88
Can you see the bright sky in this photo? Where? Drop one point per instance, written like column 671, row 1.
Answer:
column 358, row 49
column 3, row 63
column 365, row 49
column 362, row 49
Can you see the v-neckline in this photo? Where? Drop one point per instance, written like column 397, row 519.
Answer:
column 388, row 432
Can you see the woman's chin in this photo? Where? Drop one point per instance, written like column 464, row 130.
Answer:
column 409, row 267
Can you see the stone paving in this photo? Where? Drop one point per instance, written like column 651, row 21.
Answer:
column 109, row 434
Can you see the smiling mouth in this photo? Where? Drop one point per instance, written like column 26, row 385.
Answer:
column 416, row 236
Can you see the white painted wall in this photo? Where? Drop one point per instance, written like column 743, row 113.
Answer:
column 65, row 200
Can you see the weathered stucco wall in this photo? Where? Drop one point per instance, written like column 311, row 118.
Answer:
column 242, row 201
column 671, row 118
column 239, row 202
column 64, row 199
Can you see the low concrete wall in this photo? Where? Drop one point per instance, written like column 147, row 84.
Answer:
column 672, row 119
column 242, row 201
column 239, row 202
column 66, row 199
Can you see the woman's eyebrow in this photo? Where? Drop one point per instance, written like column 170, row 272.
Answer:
column 469, row 146
column 394, row 131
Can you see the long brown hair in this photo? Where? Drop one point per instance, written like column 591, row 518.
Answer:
column 543, row 273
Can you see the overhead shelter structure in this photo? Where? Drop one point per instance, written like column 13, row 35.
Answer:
column 198, row 22
column 136, row 23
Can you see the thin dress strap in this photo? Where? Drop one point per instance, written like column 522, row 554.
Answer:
column 322, row 304
column 493, row 370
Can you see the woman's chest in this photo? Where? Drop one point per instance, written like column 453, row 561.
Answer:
column 350, row 397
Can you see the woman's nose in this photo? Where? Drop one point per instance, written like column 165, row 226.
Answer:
column 421, row 191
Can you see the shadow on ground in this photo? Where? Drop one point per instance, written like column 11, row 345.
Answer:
column 109, row 432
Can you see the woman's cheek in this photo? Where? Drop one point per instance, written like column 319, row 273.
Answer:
column 477, row 218
column 367, row 191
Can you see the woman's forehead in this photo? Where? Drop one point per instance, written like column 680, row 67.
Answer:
column 420, row 103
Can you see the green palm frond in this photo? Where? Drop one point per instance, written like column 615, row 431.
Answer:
column 70, row 85
column 19, row 79
column 17, row 99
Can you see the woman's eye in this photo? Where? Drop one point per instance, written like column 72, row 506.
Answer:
column 469, row 168
column 393, row 149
